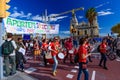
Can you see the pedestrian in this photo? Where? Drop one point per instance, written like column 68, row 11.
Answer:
column 20, row 58
column 9, row 59
column 118, row 48
column 82, row 52
column 88, row 47
column 103, row 52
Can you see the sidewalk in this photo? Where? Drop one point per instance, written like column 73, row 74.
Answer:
column 19, row 76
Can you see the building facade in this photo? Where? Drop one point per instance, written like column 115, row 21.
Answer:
column 84, row 29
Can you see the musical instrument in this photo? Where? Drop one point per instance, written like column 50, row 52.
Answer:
column 48, row 57
column 60, row 55
column 71, row 51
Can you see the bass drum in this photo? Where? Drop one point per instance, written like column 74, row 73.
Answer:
column 60, row 56
column 71, row 52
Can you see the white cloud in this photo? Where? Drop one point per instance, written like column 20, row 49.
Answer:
column 20, row 14
column 15, row 8
column 80, row 17
column 65, row 32
column 57, row 18
column 103, row 34
column 103, row 13
column 100, row 28
column 37, row 17
column 102, row 5
column 15, row 14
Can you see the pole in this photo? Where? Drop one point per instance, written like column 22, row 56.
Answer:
column 1, row 58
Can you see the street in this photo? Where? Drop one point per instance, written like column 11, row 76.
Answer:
column 69, row 71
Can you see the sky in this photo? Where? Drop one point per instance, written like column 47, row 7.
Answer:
column 33, row 10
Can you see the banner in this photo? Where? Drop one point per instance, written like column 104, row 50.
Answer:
column 29, row 27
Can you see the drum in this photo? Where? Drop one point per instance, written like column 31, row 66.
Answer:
column 60, row 55
column 50, row 61
column 71, row 51
column 48, row 57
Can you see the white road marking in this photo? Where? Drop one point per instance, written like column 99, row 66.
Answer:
column 117, row 59
column 69, row 76
column 93, row 75
column 77, row 67
column 74, row 70
column 30, row 70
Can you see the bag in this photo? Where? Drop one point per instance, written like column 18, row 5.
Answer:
column 7, row 47
column 76, row 58
column 98, row 48
column 84, row 66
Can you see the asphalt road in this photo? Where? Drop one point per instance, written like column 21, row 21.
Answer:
column 69, row 71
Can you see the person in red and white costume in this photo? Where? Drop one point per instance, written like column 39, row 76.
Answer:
column 55, row 46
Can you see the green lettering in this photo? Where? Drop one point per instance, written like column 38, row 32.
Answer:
column 14, row 22
column 9, row 21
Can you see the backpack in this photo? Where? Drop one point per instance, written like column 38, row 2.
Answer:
column 7, row 47
column 98, row 48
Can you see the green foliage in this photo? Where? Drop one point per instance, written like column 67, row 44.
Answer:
column 116, row 29
column 90, row 15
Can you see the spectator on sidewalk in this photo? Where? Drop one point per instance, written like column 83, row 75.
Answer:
column 10, row 59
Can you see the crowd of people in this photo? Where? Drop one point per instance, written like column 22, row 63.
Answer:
column 49, row 49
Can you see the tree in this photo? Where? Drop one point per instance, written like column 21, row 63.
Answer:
column 90, row 15
column 116, row 29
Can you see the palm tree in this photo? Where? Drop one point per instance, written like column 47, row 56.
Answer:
column 91, row 15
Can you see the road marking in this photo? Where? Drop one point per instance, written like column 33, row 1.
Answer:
column 77, row 67
column 30, row 70
column 69, row 76
column 74, row 70
column 117, row 59
column 93, row 75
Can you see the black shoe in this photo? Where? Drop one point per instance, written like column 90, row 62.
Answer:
column 106, row 68
column 71, row 62
column 64, row 62
column 90, row 61
column 22, row 70
column 12, row 73
column 100, row 65
column 6, row 75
